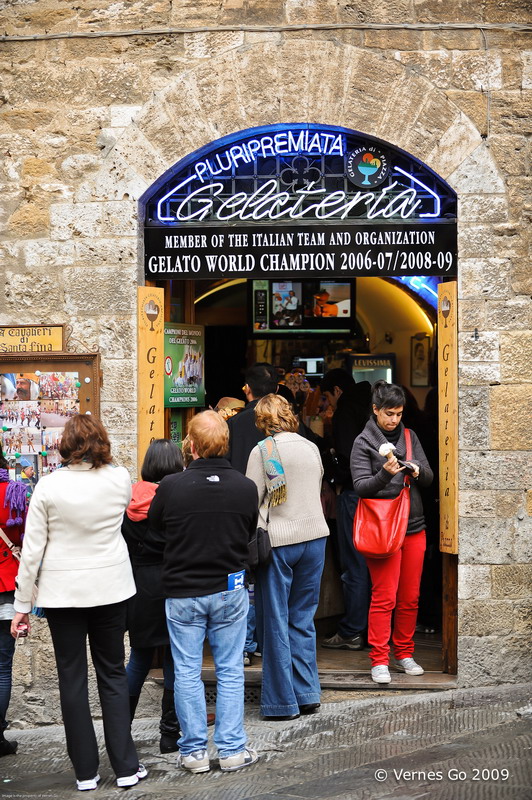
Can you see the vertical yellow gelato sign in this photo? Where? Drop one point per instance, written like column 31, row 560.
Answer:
column 150, row 327
column 448, row 416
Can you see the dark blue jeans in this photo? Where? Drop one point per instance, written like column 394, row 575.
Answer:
column 286, row 598
column 7, row 648
column 355, row 575
column 139, row 664
column 251, row 636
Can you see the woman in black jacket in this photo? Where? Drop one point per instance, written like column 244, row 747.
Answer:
column 146, row 614
column 396, row 578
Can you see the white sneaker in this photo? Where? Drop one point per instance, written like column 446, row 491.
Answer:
column 244, row 759
column 132, row 780
column 409, row 666
column 194, row 762
column 380, row 674
column 86, row 786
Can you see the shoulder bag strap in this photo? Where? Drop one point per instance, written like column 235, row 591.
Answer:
column 408, row 457
column 408, row 441
column 12, row 546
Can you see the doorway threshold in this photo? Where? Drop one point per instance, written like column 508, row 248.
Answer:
column 354, row 679
column 348, row 680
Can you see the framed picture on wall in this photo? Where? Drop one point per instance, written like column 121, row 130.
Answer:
column 419, row 360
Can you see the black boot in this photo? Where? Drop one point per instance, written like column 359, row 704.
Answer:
column 7, row 748
column 169, row 724
column 133, row 703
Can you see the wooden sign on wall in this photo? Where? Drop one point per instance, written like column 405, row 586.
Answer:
column 32, row 339
column 448, row 414
column 150, row 326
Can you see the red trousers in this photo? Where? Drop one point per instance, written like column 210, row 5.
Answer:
column 395, row 585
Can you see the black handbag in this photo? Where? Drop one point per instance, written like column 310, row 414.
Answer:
column 260, row 549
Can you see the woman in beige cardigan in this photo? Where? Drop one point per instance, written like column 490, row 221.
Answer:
column 287, row 470
column 74, row 546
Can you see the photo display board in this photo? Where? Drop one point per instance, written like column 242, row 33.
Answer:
column 36, row 401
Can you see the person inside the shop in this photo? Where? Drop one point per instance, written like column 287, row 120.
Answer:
column 259, row 380
column 395, row 579
column 350, row 404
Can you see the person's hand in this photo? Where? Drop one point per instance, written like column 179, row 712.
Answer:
column 392, row 466
column 17, row 620
column 415, row 469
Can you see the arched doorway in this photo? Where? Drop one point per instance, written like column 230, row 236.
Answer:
column 305, row 211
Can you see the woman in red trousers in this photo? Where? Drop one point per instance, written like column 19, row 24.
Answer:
column 395, row 579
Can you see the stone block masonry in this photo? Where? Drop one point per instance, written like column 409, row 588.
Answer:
column 88, row 124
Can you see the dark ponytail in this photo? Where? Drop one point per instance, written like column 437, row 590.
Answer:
column 387, row 395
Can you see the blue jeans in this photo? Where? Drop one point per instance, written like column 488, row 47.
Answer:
column 7, row 648
column 286, row 598
column 222, row 617
column 251, row 636
column 139, row 664
column 355, row 575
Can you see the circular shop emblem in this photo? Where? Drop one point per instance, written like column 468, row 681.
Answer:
column 168, row 366
column 367, row 166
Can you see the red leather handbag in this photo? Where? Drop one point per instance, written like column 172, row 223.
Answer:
column 379, row 526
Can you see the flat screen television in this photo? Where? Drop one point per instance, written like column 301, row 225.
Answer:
column 302, row 308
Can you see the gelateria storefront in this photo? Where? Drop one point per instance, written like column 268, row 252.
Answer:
column 310, row 247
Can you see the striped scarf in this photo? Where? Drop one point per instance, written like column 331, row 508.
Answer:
column 273, row 472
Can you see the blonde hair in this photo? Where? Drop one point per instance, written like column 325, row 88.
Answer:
column 185, row 450
column 274, row 414
column 209, row 434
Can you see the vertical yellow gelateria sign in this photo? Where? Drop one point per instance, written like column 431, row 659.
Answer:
column 150, row 326
column 448, row 416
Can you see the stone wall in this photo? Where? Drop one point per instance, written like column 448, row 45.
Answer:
column 88, row 124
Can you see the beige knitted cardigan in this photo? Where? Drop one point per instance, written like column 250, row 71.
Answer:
column 300, row 518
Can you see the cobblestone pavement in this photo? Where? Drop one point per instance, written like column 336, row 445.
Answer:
column 455, row 745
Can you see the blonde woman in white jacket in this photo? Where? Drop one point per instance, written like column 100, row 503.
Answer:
column 74, row 546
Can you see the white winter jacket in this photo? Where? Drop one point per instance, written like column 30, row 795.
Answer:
column 73, row 543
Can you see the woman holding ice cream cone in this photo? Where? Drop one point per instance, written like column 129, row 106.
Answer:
column 378, row 473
